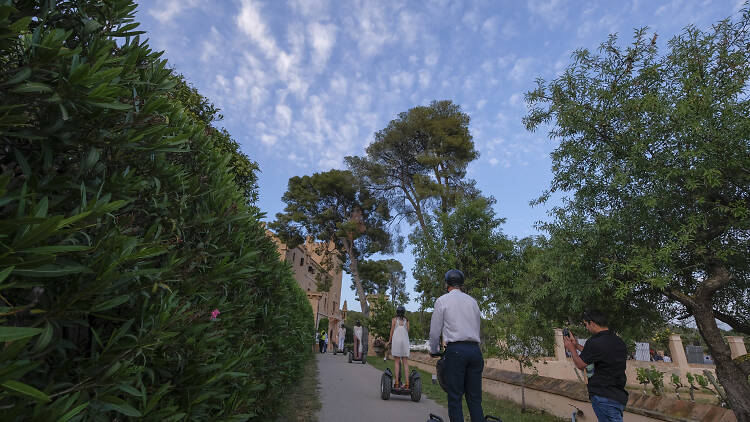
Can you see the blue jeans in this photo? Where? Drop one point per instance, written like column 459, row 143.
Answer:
column 463, row 376
column 607, row 410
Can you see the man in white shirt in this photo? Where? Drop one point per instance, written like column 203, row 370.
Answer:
column 456, row 316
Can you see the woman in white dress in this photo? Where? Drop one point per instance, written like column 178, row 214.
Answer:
column 399, row 343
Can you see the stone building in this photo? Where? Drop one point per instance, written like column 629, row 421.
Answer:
column 306, row 261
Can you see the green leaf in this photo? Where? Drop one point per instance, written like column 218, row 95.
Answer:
column 46, row 271
column 17, row 333
column 21, row 76
column 113, row 106
column 109, row 304
column 21, row 24
column 4, row 273
column 123, row 408
column 45, row 338
column 30, row 87
column 55, row 249
column 26, row 390
column 130, row 390
column 76, row 410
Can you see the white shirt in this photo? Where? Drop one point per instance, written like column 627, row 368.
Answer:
column 456, row 316
column 358, row 332
column 341, row 333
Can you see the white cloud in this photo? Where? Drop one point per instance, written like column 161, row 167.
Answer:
column 164, row 11
column 424, row 78
column 493, row 161
column 370, row 28
column 515, row 99
column 549, row 10
column 269, row 140
column 521, row 69
column 251, row 24
column 402, row 79
column 472, row 19
column 322, row 38
column 509, row 29
column 431, row 59
column 410, row 25
column 339, row 85
column 490, row 26
column 481, row 103
column 504, row 61
column 310, row 8
column 283, row 118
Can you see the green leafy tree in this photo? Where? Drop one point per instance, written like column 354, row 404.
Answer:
column 654, row 149
column 385, row 276
column 382, row 312
column 335, row 208
column 136, row 281
column 245, row 171
column 418, row 162
column 519, row 334
column 468, row 238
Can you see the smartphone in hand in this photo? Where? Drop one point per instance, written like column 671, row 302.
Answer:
column 566, row 332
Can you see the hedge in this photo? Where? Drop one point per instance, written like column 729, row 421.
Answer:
column 122, row 227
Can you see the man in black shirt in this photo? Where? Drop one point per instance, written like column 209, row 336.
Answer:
column 603, row 357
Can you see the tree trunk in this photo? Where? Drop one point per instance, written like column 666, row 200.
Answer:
column 349, row 245
column 729, row 373
column 523, row 387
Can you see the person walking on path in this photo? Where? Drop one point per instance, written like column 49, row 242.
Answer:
column 603, row 356
column 341, row 336
column 357, row 339
column 322, row 341
column 456, row 316
column 399, row 342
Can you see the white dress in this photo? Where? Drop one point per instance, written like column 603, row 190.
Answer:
column 358, row 334
column 400, row 341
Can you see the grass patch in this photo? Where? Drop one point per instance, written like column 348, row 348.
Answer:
column 302, row 402
column 506, row 410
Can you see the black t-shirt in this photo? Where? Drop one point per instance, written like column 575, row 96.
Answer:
column 605, row 354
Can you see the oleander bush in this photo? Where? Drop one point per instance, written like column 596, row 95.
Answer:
column 126, row 219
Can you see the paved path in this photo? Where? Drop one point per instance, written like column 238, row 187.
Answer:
column 352, row 394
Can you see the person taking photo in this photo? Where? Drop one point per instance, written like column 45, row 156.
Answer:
column 604, row 358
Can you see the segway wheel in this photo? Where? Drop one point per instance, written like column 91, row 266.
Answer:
column 435, row 418
column 350, row 357
column 385, row 385
column 415, row 382
column 364, row 359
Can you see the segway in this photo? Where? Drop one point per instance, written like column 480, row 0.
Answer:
column 436, row 418
column 362, row 358
column 414, row 390
column 336, row 350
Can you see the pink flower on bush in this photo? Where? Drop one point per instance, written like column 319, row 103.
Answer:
column 214, row 314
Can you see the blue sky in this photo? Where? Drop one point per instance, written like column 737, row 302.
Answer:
column 304, row 83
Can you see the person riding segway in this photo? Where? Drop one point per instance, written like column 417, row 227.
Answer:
column 399, row 345
column 359, row 354
column 341, row 335
column 456, row 317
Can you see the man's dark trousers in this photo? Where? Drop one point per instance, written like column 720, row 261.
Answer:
column 463, row 375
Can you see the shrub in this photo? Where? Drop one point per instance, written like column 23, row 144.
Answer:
column 122, row 227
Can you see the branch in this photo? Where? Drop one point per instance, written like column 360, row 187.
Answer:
column 684, row 299
column 720, row 277
column 736, row 324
